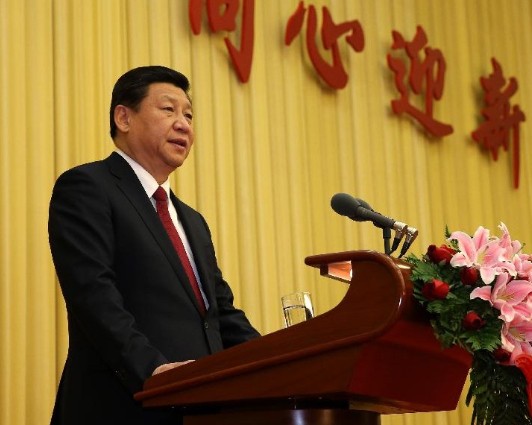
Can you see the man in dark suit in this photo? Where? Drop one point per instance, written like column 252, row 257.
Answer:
column 132, row 308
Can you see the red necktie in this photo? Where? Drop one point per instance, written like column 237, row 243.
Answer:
column 161, row 203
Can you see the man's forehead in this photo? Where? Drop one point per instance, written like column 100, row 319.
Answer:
column 168, row 91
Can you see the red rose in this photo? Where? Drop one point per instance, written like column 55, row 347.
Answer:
column 472, row 321
column 443, row 253
column 435, row 290
column 469, row 276
column 501, row 355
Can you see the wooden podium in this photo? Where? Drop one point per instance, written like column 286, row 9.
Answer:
column 374, row 353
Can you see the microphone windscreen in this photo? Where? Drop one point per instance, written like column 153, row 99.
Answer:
column 363, row 204
column 344, row 204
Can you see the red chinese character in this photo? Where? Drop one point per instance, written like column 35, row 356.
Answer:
column 334, row 75
column 222, row 17
column 500, row 117
column 430, row 71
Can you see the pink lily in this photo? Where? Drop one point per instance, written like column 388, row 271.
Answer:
column 511, row 248
column 479, row 252
column 516, row 337
column 524, row 309
column 505, row 295
column 523, row 266
column 470, row 248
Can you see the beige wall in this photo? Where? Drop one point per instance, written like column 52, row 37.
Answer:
column 269, row 154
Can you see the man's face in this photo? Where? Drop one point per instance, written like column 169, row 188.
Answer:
column 160, row 134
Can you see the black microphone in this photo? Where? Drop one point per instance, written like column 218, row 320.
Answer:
column 358, row 210
column 364, row 204
column 399, row 227
column 345, row 205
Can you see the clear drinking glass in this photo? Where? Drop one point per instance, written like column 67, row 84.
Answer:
column 297, row 308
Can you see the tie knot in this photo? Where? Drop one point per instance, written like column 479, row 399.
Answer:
column 160, row 194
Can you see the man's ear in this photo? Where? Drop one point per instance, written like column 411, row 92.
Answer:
column 121, row 117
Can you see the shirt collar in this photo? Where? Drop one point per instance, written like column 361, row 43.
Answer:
column 147, row 181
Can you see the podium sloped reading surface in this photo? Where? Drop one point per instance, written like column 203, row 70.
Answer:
column 375, row 351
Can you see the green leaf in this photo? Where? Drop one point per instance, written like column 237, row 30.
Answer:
column 498, row 393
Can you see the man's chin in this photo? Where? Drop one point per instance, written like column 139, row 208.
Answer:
column 176, row 162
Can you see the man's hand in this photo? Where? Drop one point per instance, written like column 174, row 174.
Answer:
column 168, row 366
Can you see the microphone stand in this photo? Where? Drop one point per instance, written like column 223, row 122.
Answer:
column 387, row 235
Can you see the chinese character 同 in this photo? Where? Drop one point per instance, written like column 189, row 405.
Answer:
column 222, row 17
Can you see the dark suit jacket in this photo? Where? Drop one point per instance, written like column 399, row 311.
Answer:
column 130, row 306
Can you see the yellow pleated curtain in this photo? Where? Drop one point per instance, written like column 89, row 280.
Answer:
column 269, row 153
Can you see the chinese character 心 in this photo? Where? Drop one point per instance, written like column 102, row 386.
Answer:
column 334, row 75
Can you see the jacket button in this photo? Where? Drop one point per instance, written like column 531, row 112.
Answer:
column 206, row 325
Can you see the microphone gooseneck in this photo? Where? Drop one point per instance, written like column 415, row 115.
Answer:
column 400, row 231
column 411, row 235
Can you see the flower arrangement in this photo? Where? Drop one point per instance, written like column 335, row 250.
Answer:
column 478, row 292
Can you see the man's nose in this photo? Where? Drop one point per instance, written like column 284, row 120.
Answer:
column 182, row 124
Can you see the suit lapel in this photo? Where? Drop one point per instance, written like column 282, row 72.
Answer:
column 130, row 185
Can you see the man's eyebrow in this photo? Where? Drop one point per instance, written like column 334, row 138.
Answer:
column 173, row 98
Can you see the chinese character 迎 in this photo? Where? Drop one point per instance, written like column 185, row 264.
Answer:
column 428, row 74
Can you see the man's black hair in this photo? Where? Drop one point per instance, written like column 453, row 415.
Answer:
column 132, row 87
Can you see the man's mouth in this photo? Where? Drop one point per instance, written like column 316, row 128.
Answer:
column 179, row 142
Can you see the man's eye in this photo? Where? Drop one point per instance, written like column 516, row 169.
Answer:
column 168, row 108
column 188, row 116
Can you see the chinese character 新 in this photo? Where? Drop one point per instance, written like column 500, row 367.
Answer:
column 334, row 75
column 429, row 73
column 222, row 17
column 500, row 118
